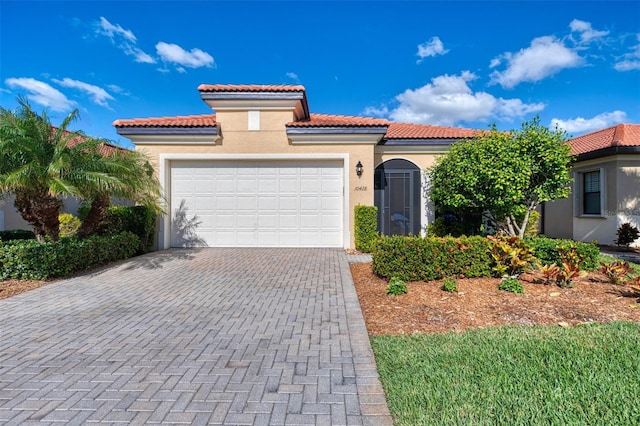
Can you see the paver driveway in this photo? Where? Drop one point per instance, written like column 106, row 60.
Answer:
column 206, row 336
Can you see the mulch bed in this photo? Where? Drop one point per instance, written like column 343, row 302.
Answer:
column 10, row 288
column 426, row 308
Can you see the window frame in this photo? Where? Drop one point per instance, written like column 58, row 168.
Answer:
column 580, row 186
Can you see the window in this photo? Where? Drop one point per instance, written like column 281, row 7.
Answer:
column 591, row 193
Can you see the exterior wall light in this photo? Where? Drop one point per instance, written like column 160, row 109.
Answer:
column 359, row 169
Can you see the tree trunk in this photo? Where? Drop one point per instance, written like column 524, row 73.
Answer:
column 96, row 215
column 41, row 210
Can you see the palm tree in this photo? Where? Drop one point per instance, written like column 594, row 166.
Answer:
column 40, row 164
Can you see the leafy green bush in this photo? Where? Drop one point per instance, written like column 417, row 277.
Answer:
column 511, row 285
column 396, row 287
column 426, row 259
column 627, row 233
column 450, row 285
column 32, row 260
column 366, row 227
column 17, row 234
column 546, row 251
column 139, row 220
column 69, row 225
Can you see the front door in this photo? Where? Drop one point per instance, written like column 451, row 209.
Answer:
column 397, row 196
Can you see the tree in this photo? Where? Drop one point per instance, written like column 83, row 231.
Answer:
column 504, row 175
column 40, row 164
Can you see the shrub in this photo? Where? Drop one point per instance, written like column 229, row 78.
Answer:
column 512, row 285
column 69, row 225
column 396, row 287
column 616, row 272
column 546, row 251
column 17, row 234
column 366, row 227
column 627, row 234
column 427, row 259
column 511, row 255
column 39, row 261
column 139, row 220
column 450, row 285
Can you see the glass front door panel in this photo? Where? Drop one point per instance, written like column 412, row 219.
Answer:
column 397, row 196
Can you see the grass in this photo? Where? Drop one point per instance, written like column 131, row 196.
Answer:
column 586, row 375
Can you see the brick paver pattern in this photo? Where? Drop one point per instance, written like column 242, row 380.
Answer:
column 202, row 336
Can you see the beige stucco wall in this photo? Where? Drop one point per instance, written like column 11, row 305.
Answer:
column 271, row 140
column 558, row 218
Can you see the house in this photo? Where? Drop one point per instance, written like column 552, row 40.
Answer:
column 606, row 187
column 10, row 218
column 262, row 170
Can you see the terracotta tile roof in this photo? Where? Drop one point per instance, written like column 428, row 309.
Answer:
column 328, row 120
column 205, row 120
column 424, row 131
column 619, row 135
column 105, row 148
column 250, row 88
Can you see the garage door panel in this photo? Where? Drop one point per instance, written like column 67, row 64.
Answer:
column 261, row 203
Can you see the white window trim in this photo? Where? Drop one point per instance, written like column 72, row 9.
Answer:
column 578, row 180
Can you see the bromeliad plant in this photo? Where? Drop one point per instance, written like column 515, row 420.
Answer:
column 634, row 287
column 572, row 261
column 616, row 272
column 512, row 255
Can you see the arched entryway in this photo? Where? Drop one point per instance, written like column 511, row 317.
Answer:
column 397, row 196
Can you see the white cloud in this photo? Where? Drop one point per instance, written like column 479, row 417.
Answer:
column 448, row 100
column 631, row 60
column 124, row 39
column 587, row 33
column 115, row 88
column 433, row 47
column 293, row 76
column 98, row 94
column 175, row 54
column 544, row 57
column 42, row 93
column 381, row 111
column 583, row 125
column 113, row 31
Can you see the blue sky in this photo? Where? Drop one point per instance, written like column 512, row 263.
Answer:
column 462, row 64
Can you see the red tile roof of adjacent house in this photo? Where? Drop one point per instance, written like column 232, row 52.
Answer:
column 250, row 88
column 329, row 120
column 423, row 131
column 204, row 120
column 105, row 148
column 619, row 135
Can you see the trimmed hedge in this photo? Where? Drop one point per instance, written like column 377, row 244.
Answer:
column 546, row 251
column 366, row 227
column 427, row 259
column 32, row 260
column 17, row 234
column 139, row 220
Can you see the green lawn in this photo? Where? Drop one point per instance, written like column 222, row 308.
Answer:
column 586, row 375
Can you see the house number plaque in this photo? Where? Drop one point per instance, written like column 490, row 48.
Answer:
column 360, row 188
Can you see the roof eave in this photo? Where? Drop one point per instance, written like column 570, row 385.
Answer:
column 606, row 152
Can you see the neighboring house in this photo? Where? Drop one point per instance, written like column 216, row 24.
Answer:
column 606, row 187
column 264, row 171
column 10, row 218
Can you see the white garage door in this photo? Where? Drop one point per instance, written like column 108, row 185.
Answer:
column 257, row 203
